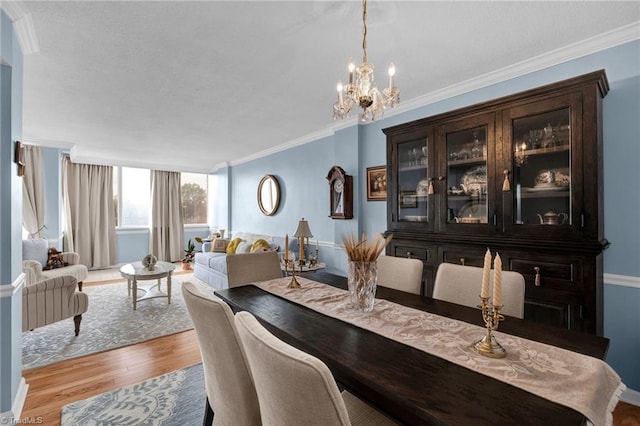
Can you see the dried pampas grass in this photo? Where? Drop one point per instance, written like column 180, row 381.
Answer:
column 364, row 250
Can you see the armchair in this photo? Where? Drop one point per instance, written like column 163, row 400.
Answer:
column 51, row 300
column 34, row 255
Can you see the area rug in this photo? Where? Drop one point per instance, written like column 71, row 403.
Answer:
column 109, row 323
column 175, row 398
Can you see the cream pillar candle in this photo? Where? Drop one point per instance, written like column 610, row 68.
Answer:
column 497, row 281
column 486, row 271
column 286, row 249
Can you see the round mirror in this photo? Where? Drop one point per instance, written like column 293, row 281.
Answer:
column 268, row 195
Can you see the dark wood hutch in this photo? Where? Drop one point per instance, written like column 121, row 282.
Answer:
column 521, row 175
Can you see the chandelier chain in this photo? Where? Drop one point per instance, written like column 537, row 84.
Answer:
column 364, row 31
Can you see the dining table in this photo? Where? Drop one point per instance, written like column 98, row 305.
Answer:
column 410, row 385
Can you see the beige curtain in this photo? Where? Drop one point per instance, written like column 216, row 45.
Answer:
column 167, row 224
column 87, row 196
column 33, row 192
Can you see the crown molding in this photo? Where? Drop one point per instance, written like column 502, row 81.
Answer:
column 576, row 50
column 23, row 26
column 47, row 143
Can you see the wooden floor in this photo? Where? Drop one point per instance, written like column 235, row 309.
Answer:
column 52, row 387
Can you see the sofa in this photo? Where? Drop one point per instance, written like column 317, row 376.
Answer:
column 36, row 254
column 211, row 266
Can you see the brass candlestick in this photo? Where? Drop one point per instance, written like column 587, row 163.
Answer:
column 488, row 346
column 294, row 282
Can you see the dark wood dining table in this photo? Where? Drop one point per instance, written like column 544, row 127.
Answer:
column 412, row 386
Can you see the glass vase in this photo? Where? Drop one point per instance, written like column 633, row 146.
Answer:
column 362, row 279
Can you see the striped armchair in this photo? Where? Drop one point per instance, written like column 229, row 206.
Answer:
column 51, row 300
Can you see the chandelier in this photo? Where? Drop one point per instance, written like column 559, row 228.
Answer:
column 361, row 89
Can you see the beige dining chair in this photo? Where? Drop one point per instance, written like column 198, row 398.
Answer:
column 295, row 388
column 231, row 396
column 462, row 284
column 247, row 268
column 400, row 273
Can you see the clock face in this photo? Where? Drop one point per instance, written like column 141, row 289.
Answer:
column 338, row 185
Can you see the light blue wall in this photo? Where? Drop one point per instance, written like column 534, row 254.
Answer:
column 10, row 219
column 301, row 172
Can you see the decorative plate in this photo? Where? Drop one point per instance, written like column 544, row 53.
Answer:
column 474, row 209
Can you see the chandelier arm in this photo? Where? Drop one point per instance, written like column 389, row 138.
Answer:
column 364, row 31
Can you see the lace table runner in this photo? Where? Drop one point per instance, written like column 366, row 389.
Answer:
column 586, row 384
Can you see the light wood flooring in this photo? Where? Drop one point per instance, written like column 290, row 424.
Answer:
column 52, row 387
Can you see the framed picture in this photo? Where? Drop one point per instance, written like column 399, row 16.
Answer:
column 377, row 183
column 408, row 199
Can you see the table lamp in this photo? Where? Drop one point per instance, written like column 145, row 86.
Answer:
column 301, row 233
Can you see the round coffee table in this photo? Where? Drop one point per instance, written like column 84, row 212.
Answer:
column 134, row 272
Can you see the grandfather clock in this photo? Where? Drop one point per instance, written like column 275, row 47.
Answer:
column 340, row 194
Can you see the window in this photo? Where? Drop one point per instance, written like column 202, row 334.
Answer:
column 136, row 197
column 194, row 198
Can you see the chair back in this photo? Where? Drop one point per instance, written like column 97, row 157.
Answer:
column 228, row 380
column 462, row 284
column 248, row 268
column 400, row 273
column 294, row 388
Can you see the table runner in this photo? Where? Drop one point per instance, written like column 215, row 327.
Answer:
column 586, row 384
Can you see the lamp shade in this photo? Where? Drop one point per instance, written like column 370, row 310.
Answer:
column 303, row 230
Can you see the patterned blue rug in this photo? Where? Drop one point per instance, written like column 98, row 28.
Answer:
column 175, row 398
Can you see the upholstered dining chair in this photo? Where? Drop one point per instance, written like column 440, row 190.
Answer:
column 247, row 268
column 231, row 396
column 400, row 273
column 295, row 388
column 462, row 284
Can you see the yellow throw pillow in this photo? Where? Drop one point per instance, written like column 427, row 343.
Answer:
column 259, row 245
column 233, row 245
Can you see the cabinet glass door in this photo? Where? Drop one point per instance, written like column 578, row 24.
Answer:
column 467, row 149
column 545, row 166
column 414, row 185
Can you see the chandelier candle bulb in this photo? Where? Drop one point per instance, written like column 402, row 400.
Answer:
column 352, row 67
column 497, row 281
column 486, row 271
column 340, row 87
column 392, row 72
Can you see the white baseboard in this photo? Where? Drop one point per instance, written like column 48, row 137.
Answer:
column 12, row 417
column 631, row 396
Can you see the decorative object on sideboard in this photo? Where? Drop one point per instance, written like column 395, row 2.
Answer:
column 268, row 195
column 149, row 262
column 488, row 345
column 361, row 89
column 302, row 232
column 377, row 183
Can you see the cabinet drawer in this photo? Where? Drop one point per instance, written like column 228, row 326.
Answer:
column 463, row 256
column 412, row 252
column 561, row 274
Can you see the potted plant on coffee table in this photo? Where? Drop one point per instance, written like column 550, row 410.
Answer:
column 189, row 253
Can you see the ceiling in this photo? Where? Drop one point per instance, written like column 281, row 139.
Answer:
column 190, row 86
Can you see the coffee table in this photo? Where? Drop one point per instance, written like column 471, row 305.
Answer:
column 134, row 272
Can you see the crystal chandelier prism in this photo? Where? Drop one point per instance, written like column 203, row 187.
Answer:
column 361, row 88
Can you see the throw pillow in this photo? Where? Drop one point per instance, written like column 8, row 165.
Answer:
column 35, row 249
column 243, row 247
column 259, row 244
column 219, row 245
column 54, row 259
column 231, row 248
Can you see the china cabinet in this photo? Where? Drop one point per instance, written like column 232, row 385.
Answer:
column 521, row 175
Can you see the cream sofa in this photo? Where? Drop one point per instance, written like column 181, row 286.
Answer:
column 211, row 267
column 34, row 257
